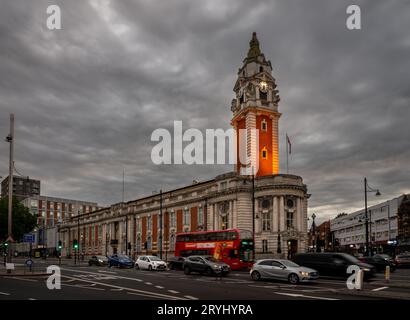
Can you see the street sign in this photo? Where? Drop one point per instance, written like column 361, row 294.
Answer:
column 29, row 237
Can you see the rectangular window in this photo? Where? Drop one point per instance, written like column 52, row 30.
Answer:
column 186, row 217
column 266, row 218
column 149, row 223
column 173, row 221
column 289, row 220
column 200, row 216
column 264, row 246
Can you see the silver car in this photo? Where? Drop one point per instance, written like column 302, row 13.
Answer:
column 282, row 270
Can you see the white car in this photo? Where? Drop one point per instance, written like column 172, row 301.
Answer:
column 150, row 263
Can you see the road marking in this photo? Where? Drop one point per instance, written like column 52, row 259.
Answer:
column 31, row 299
column 22, row 279
column 159, row 287
column 296, row 295
column 5, row 293
column 173, row 291
column 82, row 287
column 110, row 272
column 116, row 289
column 148, row 283
column 114, row 277
column 136, row 291
column 191, row 298
column 381, row 288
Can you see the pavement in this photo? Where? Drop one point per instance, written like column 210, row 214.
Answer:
column 103, row 283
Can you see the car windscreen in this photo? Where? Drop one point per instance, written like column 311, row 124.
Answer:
column 120, row 256
column 154, row 258
column 289, row 263
column 350, row 258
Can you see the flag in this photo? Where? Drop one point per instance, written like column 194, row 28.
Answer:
column 288, row 142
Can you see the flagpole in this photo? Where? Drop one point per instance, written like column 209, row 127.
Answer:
column 287, row 154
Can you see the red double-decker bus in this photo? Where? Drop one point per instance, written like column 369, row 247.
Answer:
column 232, row 246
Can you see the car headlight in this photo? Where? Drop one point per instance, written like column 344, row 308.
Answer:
column 366, row 269
column 100, row 261
column 304, row 274
column 216, row 266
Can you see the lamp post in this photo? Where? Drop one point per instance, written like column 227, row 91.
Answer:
column 160, row 224
column 368, row 189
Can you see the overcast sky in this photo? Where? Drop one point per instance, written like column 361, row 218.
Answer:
column 87, row 98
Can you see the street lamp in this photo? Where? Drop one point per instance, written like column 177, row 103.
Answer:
column 368, row 189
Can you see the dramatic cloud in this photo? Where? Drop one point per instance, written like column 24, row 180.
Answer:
column 87, row 98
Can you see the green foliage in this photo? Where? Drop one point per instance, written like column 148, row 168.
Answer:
column 23, row 220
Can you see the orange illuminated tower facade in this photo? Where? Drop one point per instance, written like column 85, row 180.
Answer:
column 255, row 115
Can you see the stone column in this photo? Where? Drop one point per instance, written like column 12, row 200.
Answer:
column 230, row 214
column 275, row 214
column 234, row 214
column 210, row 217
column 281, row 213
column 299, row 215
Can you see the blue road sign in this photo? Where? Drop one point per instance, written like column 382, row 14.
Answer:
column 29, row 237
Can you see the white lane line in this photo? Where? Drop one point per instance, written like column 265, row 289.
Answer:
column 22, row 279
column 159, row 287
column 296, row 295
column 114, row 277
column 116, row 289
column 136, row 291
column 82, row 287
column 31, row 299
column 381, row 288
column 191, row 298
column 5, row 293
column 173, row 291
column 110, row 272
column 148, row 283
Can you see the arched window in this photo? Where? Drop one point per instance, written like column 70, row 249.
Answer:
column 264, row 153
column 264, row 125
column 260, row 69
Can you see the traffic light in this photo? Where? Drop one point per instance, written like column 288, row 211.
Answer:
column 75, row 244
column 60, row 245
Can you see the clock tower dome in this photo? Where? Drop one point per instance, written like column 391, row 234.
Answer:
column 255, row 113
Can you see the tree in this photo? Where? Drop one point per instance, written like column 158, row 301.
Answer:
column 23, row 220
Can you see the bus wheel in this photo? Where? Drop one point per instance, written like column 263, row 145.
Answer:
column 256, row 275
column 186, row 270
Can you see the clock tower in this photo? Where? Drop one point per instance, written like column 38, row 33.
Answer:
column 255, row 115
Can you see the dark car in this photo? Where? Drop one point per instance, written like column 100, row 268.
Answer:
column 380, row 262
column 403, row 260
column 120, row 260
column 332, row 264
column 205, row 264
column 98, row 261
column 176, row 263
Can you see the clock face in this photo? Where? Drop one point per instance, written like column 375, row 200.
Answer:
column 263, row 86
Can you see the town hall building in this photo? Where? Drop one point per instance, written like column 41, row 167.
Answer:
column 278, row 217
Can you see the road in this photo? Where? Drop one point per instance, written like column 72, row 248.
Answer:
column 98, row 283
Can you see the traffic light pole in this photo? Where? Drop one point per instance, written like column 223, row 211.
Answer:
column 10, row 139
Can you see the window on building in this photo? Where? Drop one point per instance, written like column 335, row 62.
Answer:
column 224, row 185
column 173, row 222
column 149, row 223
column 289, row 220
column 264, row 125
column 139, row 225
column 264, row 153
column 138, row 245
column 186, row 217
column 266, row 218
column 200, row 216
column 264, row 246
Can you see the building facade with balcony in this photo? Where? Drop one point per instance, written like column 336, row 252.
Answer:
column 23, row 187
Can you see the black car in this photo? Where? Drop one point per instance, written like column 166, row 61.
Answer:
column 176, row 263
column 380, row 262
column 98, row 261
column 205, row 264
column 332, row 264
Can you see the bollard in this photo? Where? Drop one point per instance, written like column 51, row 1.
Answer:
column 387, row 274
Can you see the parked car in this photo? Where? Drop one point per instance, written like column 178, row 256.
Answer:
column 205, row 264
column 280, row 269
column 98, row 261
column 380, row 262
column 332, row 264
column 120, row 260
column 150, row 263
column 176, row 263
column 402, row 260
